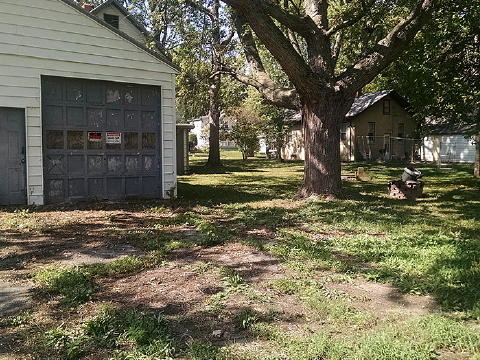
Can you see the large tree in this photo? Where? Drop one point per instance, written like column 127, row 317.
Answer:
column 306, row 37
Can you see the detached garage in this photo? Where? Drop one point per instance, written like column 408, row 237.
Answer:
column 86, row 112
column 449, row 144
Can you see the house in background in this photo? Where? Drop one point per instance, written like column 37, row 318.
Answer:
column 86, row 110
column 377, row 127
column 202, row 129
column 449, row 143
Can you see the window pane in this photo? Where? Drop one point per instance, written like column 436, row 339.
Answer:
column 131, row 141
column 386, row 107
column 75, row 140
column 95, row 141
column 55, row 139
column 149, row 141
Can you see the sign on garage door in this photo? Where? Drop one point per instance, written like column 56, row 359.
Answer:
column 101, row 140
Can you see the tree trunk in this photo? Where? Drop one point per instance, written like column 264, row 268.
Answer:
column 477, row 156
column 321, row 123
column 214, row 90
column 214, row 122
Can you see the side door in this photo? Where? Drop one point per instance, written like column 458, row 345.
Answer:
column 12, row 157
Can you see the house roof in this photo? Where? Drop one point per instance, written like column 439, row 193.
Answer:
column 360, row 104
column 158, row 55
column 124, row 11
column 365, row 101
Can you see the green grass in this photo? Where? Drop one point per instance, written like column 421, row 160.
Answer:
column 74, row 286
column 428, row 247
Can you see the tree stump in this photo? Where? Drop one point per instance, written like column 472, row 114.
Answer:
column 409, row 190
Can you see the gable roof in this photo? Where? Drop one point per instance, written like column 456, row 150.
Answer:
column 365, row 101
column 158, row 55
column 360, row 104
column 125, row 13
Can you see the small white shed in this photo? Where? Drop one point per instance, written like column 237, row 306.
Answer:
column 86, row 111
column 449, row 144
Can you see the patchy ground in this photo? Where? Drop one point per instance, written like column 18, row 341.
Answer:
column 236, row 269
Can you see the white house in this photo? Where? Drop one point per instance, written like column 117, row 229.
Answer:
column 450, row 144
column 86, row 110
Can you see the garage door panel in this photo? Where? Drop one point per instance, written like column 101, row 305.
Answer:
column 102, row 140
column 114, row 119
column 75, row 92
column 95, row 165
column 76, row 188
column 96, row 118
column 55, row 164
column 76, row 165
column 52, row 91
column 132, row 119
column 96, row 188
column 53, row 116
column 55, row 190
column 75, row 117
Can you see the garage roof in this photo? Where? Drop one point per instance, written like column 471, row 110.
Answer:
column 159, row 55
column 124, row 11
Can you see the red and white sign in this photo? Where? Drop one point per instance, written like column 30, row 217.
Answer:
column 95, row 136
column 113, row 138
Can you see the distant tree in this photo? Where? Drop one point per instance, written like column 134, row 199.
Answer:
column 246, row 130
column 199, row 36
column 273, row 125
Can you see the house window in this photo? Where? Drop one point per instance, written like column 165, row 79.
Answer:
column 401, row 130
column 111, row 20
column 343, row 132
column 386, row 107
column 371, row 131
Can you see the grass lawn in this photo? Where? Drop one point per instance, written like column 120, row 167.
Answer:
column 239, row 268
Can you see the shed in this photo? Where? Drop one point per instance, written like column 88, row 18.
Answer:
column 449, row 143
column 183, row 148
column 86, row 111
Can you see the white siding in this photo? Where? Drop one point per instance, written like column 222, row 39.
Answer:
column 124, row 24
column 452, row 148
column 49, row 37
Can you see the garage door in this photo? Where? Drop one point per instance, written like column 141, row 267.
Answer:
column 101, row 140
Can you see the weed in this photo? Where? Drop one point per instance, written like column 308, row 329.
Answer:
column 70, row 345
column 147, row 330
column 74, row 285
column 25, row 317
column 199, row 350
column 246, row 319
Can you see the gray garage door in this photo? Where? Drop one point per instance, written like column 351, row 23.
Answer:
column 101, row 140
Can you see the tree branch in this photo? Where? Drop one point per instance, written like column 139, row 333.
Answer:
column 282, row 97
column 386, row 50
column 350, row 22
column 277, row 44
column 318, row 12
column 200, row 8
column 297, row 23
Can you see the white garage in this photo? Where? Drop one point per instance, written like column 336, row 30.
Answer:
column 449, row 144
column 86, row 111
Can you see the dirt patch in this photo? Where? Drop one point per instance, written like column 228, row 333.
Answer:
column 97, row 254
column 13, row 298
column 383, row 299
column 173, row 289
column 251, row 264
